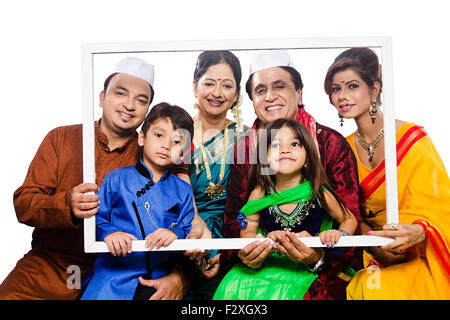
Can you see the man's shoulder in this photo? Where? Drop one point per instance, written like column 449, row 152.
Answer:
column 327, row 135
column 327, row 131
column 73, row 130
column 64, row 136
column 68, row 128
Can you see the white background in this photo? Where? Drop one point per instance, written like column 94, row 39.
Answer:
column 40, row 65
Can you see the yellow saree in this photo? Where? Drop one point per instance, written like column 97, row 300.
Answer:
column 424, row 198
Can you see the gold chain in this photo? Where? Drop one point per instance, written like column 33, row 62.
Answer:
column 213, row 190
column 370, row 146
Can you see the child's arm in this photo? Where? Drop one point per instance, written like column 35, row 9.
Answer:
column 118, row 242
column 251, row 229
column 347, row 221
column 107, row 194
column 199, row 229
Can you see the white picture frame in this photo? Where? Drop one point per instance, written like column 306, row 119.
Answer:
column 384, row 44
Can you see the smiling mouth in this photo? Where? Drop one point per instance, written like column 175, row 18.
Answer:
column 274, row 108
column 215, row 102
column 124, row 115
column 346, row 107
column 286, row 158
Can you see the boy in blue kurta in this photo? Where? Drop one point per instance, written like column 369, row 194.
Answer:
column 145, row 201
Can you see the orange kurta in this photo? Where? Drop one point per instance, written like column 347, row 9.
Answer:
column 424, row 198
column 43, row 202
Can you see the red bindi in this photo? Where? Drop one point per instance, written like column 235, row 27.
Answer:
column 342, row 81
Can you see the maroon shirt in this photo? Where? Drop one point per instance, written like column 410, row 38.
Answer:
column 340, row 167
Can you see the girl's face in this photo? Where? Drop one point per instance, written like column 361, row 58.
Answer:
column 350, row 95
column 216, row 90
column 286, row 156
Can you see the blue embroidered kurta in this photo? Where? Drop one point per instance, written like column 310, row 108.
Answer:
column 130, row 201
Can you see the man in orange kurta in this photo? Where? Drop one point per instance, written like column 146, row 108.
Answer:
column 47, row 200
column 43, row 202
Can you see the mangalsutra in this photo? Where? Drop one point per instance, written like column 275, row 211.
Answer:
column 370, row 146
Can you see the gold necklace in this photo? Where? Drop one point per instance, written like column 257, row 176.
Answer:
column 214, row 190
column 370, row 146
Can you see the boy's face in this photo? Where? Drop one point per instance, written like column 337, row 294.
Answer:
column 163, row 145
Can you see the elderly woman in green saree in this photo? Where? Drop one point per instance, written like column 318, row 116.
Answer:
column 217, row 78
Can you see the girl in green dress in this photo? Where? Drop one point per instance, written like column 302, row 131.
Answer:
column 288, row 193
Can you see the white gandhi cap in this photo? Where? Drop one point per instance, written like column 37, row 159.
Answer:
column 136, row 67
column 270, row 59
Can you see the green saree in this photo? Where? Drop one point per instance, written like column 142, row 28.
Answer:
column 210, row 209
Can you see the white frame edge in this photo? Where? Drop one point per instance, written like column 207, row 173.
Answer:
column 385, row 43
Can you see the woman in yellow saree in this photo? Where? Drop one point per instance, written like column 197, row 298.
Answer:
column 416, row 265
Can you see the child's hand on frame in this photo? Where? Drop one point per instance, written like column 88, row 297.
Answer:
column 119, row 243
column 160, row 238
column 330, row 237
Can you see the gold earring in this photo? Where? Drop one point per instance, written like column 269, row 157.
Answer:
column 342, row 119
column 196, row 106
column 373, row 110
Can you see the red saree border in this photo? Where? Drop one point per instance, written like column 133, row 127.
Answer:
column 437, row 242
column 371, row 183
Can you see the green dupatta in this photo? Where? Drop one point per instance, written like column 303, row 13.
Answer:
column 279, row 278
column 300, row 193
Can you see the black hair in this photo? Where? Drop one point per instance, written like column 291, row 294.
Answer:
column 363, row 61
column 109, row 78
column 179, row 117
column 312, row 171
column 213, row 57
